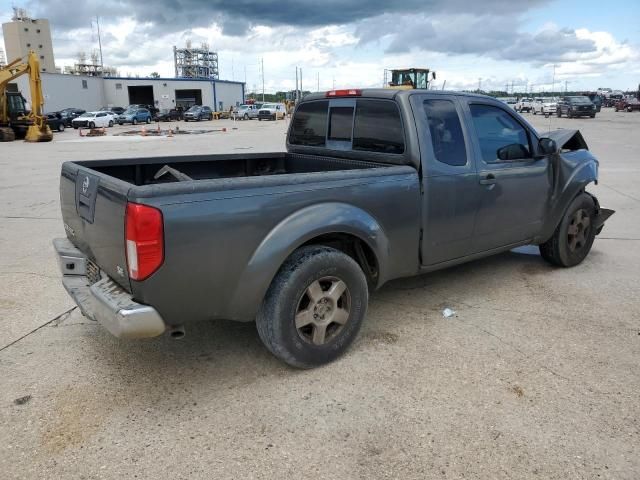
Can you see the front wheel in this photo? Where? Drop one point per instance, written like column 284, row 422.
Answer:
column 246, row 116
column 134, row 121
column 61, row 127
column 573, row 238
column 314, row 307
column 92, row 125
column 148, row 120
column 111, row 123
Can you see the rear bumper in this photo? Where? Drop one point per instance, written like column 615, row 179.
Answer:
column 105, row 301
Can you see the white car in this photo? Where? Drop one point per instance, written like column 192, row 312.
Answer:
column 524, row 104
column 245, row 112
column 93, row 120
column 545, row 106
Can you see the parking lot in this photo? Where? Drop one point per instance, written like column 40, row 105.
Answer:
column 537, row 374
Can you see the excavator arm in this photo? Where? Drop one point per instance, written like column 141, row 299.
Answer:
column 38, row 130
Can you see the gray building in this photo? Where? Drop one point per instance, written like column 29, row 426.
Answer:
column 23, row 34
column 90, row 93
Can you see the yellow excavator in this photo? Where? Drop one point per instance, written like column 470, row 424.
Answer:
column 410, row 78
column 15, row 120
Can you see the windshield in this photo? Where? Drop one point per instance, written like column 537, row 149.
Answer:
column 195, row 108
column 269, row 105
column 579, row 100
column 87, row 114
column 129, row 111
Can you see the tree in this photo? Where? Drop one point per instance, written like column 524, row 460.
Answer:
column 154, row 75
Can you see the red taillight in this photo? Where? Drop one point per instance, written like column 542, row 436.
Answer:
column 352, row 92
column 144, row 240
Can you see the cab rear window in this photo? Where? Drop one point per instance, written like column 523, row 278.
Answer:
column 377, row 126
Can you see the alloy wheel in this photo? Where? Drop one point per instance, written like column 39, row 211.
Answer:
column 579, row 229
column 323, row 310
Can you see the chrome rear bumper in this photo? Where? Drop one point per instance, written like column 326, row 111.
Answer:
column 105, row 301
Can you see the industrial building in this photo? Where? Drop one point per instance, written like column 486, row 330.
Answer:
column 90, row 93
column 23, row 34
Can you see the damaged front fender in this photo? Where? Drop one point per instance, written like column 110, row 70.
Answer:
column 573, row 167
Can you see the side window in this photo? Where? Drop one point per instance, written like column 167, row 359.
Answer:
column 446, row 132
column 340, row 124
column 496, row 129
column 378, row 127
column 310, row 124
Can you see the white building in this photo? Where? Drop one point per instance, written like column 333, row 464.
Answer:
column 90, row 93
column 23, row 34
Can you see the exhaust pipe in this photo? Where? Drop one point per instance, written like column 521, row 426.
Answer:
column 177, row 332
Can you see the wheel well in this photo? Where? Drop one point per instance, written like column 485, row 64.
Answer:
column 356, row 248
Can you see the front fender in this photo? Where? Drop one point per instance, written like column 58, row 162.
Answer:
column 573, row 171
column 292, row 232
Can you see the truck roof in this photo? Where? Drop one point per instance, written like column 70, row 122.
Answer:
column 390, row 93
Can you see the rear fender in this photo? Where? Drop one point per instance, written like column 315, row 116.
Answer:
column 293, row 232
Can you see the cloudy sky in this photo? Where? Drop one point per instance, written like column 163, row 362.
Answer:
column 351, row 42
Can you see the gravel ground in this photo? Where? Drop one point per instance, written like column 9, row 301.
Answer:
column 536, row 376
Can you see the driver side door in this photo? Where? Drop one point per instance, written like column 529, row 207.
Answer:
column 514, row 185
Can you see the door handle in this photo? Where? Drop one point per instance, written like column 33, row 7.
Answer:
column 490, row 179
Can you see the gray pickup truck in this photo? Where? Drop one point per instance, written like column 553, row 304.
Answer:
column 374, row 185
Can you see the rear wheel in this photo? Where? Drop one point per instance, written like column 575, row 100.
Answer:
column 61, row 127
column 574, row 236
column 148, row 120
column 314, row 307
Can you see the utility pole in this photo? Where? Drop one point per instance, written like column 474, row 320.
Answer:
column 295, row 98
column 300, row 83
column 480, row 84
column 553, row 79
column 262, row 69
column 318, row 82
column 100, row 44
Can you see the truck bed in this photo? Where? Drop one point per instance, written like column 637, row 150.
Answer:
column 144, row 171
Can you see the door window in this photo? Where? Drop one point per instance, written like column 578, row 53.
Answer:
column 310, row 124
column 496, row 129
column 446, row 132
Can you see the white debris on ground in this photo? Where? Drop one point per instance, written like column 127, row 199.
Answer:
column 448, row 312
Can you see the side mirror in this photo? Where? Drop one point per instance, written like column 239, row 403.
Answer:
column 515, row 151
column 547, row 146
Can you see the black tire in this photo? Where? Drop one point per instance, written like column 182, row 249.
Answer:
column 111, row 123
column 259, row 119
column 275, row 117
column 559, row 113
column 75, row 127
column 289, row 291
column 119, row 123
column 7, row 134
column 61, row 127
column 134, row 121
column 148, row 120
column 566, row 249
column 92, row 125
column 246, row 116
column 593, row 116
column 534, row 112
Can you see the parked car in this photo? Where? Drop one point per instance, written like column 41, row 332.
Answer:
column 578, row 106
column 134, row 116
column 628, row 104
column 168, row 116
column 596, row 99
column 272, row 111
column 245, row 112
column 197, row 113
column 374, row 185
column 116, row 110
column 55, row 121
column 68, row 114
column 544, row 106
column 524, row 104
column 93, row 120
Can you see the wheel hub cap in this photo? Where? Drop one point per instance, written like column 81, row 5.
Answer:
column 323, row 310
column 579, row 229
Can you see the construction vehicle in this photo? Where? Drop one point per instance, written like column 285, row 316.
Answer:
column 410, row 78
column 15, row 120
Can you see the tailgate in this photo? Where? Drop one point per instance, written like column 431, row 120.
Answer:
column 93, row 211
